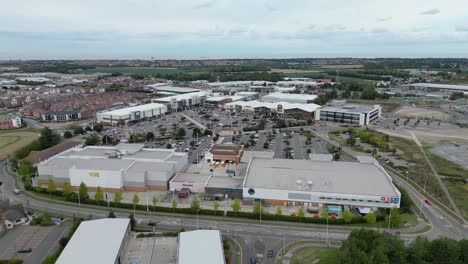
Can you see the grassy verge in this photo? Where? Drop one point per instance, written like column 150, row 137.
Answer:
column 283, row 250
column 313, row 255
column 235, row 244
column 459, row 192
column 9, row 140
column 444, row 166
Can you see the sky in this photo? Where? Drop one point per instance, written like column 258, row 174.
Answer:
column 213, row 29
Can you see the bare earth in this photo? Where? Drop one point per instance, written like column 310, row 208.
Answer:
column 417, row 112
column 26, row 138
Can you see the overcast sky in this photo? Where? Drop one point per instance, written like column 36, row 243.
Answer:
column 186, row 29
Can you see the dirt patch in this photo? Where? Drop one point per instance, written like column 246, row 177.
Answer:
column 421, row 113
column 24, row 139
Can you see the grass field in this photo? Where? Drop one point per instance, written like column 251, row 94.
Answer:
column 12, row 141
column 313, row 255
column 134, row 70
column 459, row 193
column 446, row 167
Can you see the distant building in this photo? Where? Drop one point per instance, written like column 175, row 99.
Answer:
column 61, row 116
column 200, row 246
column 98, row 241
column 354, row 114
column 225, row 153
column 282, row 109
column 131, row 114
column 10, row 121
column 439, row 86
column 182, row 101
column 289, row 98
column 159, row 87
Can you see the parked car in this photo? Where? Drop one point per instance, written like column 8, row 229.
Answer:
column 253, row 260
column 270, row 253
column 428, row 202
column 24, row 250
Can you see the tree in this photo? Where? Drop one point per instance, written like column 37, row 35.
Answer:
column 51, row 186
column 370, row 218
column 99, row 195
column 179, row 133
column 107, row 140
column 135, row 200
column 279, row 211
column 48, row 138
column 301, row 212
column 195, row 205
column 236, row 207
column 347, row 216
column 257, row 208
column 216, row 205
column 111, row 214
column 155, row 200
column 78, row 131
column 25, row 168
column 27, row 182
column 67, row 190
column 174, row 204
column 351, row 141
column 168, row 146
column 394, row 218
column 83, row 191
column 132, row 221
column 336, row 156
column 118, row 197
column 91, row 141
column 149, row 136
column 88, row 128
column 67, row 134
column 265, row 145
column 98, row 128
column 324, row 213
column 62, row 242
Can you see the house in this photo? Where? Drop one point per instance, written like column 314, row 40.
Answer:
column 12, row 215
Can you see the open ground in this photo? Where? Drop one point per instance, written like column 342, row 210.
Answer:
column 12, row 141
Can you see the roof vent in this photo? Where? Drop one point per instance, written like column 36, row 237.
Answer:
column 299, row 182
column 309, row 182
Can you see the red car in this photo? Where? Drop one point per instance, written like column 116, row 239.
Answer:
column 428, row 202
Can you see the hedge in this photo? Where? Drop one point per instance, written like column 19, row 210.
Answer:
column 249, row 215
column 11, row 261
column 51, row 259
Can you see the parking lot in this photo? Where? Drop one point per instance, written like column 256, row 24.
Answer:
column 151, row 250
column 42, row 240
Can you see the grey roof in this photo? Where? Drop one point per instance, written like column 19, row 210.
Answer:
column 200, row 246
column 92, row 164
column 441, row 86
column 326, row 176
column 13, row 214
column 190, row 177
column 155, row 171
column 349, row 108
column 226, row 182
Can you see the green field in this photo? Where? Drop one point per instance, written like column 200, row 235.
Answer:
column 313, row 255
column 459, row 193
column 134, row 70
column 5, row 141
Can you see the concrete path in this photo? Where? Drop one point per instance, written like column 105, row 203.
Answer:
column 198, row 124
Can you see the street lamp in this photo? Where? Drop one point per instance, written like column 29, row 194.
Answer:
column 197, row 218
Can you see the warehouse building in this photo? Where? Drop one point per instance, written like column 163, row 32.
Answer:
column 182, row 101
column 97, row 241
column 439, row 86
column 167, row 89
column 289, row 98
column 131, row 114
column 128, row 167
column 282, row 109
column 355, row 114
column 319, row 183
column 200, row 246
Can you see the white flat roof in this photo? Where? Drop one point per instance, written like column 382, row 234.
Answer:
column 442, row 86
column 274, row 106
column 326, row 176
column 95, row 241
column 128, row 110
column 291, row 96
column 200, row 247
column 181, row 97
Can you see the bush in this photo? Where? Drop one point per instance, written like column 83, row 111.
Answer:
column 11, row 261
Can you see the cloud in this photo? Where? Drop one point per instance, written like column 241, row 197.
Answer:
column 433, row 11
column 462, row 27
column 205, row 4
column 383, row 19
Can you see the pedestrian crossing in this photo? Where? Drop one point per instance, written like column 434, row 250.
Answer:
column 322, row 235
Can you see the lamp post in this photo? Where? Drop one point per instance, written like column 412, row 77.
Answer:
column 197, row 218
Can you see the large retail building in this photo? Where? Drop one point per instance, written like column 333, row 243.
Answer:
column 131, row 114
column 319, row 183
column 128, row 167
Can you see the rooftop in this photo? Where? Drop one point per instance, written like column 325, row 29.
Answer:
column 291, row 96
column 442, row 86
column 95, row 241
column 325, row 176
column 192, row 251
column 191, row 177
column 226, row 182
column 226, row 149
column 342, row 106
column 128, row 110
